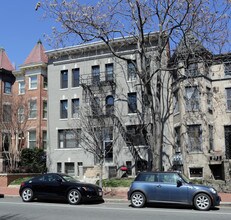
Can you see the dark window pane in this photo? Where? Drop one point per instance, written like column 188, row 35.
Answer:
column 64, row 79
column 75, row 77
column 132, row 103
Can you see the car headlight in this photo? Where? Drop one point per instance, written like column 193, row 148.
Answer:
column 213, row 190
column 87, row 188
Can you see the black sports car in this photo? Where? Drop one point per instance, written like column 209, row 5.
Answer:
column 59, row 186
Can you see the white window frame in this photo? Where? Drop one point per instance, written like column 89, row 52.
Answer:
column 33, row 84
column 31, row 140
column 32, row 110
column 21, row 87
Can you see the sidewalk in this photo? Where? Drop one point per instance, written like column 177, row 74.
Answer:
column 119, row 195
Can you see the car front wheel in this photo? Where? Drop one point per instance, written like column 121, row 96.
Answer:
column 138, row 199
column 202, row 202
column 74, row 197
column 27, row 195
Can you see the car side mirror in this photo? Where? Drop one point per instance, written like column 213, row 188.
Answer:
column 179, row 183
column 59, row 180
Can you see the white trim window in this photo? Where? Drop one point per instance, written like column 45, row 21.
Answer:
column 33, row 108
column 21, row 87
column 32, row 139
column 33, row 82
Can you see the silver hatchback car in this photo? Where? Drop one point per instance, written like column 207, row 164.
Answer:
column 171, row 188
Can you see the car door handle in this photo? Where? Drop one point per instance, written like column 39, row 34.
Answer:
column 158, row 186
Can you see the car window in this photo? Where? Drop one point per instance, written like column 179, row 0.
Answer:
column 147, row 177
column 168, row 177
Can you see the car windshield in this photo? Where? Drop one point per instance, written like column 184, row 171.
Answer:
column 185, row 179
column 69, row 178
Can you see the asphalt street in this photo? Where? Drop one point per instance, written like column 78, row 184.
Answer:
column 15, row 209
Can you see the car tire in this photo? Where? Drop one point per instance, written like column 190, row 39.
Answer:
column 74, row 197
column 202, row 202
column 138, row 199
column 27, row 195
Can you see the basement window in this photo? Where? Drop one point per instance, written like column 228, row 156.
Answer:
column 196, row 172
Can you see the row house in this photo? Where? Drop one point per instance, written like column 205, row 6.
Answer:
column 202, row 116
column 26, row 108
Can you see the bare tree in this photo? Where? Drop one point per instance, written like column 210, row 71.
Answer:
column 97, row 134
column 173, row 20
column 14, row 124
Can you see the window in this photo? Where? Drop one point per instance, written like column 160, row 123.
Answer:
column 228, row 142
column 63, row 109
column 196, row 172
column 32, row 139
column 44, row 139
column 109, row 72
column 132, row 102
column 129, row 167
column 33, row 109
column 131, row 65
column 211, row 146
column 21, row 114
column 175, row 102
column 109, row 105
column 59, row 167
column 70, row 168
column 209, row 99
column 69, row 138
column 7, row 113
column 227, row 66
column 192, row 98
column 192, row 70
column 75, row 108
column 194, row 137
column 135, row 134
column 45, row 82
column 95, row 106
column 33, row 82
column 177, row 140
column 21, row 87
column 7, row 87
column 44, row 108
column 108, row 150
column 228, row 98
column 75, row 77
column 6, row 137
column 64, row 79
column 95, row 75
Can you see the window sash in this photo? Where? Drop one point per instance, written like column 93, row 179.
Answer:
column 21, row 87
column 192, row 99
column 45, row 109
column 228, row 98
column 63, row 109
column 132, row 103
column 64, row 79
column 7, row 87
column 33, row 82
column 194, row 137
column 131, row 68
column 75, row 77
column 75, row 108
column 109, row 71
column 7, row 117
column 32, row 139
column 69, row 138
column 33, row 109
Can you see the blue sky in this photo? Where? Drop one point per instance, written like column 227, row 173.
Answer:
column 21, row 28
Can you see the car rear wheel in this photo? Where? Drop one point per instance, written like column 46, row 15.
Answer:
column 27, row 195
column 74, row 197
column 138, row 199
column 202, row 202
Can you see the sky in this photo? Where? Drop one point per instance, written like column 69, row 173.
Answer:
column 21, row 28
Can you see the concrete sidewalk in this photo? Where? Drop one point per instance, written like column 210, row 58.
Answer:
column 116, row 195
